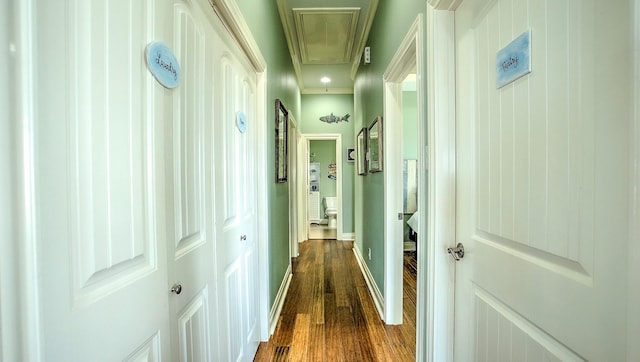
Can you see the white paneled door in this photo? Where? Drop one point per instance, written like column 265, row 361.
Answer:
column 542, row 186
column 146, row 202
column 211, row 182
column 189, row 187
column 102, row 270
column 236, row 252
column 211, row 187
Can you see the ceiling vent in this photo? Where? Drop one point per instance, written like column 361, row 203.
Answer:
column 326, row 35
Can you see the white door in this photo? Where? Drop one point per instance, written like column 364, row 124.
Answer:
column 542, row 185
column 98, row 148
column 235, row 219
column 189, row 186
column 211, row 188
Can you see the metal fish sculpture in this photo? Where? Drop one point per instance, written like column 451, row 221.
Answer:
column 335, row 119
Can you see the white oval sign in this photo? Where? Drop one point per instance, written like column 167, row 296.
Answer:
column 163, row 64
column 241, row 122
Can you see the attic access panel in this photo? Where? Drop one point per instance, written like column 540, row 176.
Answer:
column 326, row 35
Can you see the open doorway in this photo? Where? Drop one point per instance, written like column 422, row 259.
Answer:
column 407, row 61
column 404, row 111
column 320, row 176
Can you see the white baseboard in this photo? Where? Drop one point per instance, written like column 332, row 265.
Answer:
column 276, row 309
column 347, row 236
column 378, row 299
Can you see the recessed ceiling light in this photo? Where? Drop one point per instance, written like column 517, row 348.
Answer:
column 325, row 80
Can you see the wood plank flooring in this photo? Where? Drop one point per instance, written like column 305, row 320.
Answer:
column 328, row 314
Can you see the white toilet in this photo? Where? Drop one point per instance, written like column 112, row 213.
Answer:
column 331, row 210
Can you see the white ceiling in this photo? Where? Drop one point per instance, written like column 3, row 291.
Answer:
column 326, row 38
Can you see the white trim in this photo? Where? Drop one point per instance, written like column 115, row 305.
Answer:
column 633, row 313
column 303, row 231
column 293, row 187
column 347, row 236
column 378, row 300
column 25, row 292
column 437, row 282
column 304, row 177
column 276, row 309
column 408, row 56
column 231, row 16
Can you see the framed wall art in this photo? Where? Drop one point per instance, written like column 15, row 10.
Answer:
column 282, row 125
column 374, row 145
column 361, row 152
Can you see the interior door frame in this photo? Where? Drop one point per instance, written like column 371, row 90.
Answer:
column 433, row 57
column 436, row 189
column 294, row 194
column 20, row 309
column 633, row 314
column 441, row 124
column 408, row 56
column 305, row 138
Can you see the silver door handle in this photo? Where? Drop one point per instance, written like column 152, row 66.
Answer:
column 176, row 288
column 457, row 253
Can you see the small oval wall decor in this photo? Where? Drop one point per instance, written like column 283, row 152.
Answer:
column 241, row 122
column 163, row 64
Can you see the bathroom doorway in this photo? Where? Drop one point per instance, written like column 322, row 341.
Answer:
column 321, row 178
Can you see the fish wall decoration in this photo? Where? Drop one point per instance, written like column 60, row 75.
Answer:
column 335, row 119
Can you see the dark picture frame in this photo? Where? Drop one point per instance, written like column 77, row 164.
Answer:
column 361, row 152
column 281, row 138
column 374, row 145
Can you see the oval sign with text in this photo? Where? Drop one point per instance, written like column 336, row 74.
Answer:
column 241, row 122
column 163, row 64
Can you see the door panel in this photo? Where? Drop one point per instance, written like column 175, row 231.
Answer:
column 541, row 204
column 236, row 215
column 212, row 190
column 189, row 191
column 101, row 256
column 193, row 329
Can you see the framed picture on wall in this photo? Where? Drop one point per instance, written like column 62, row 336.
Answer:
column 282, row 124
column 361, row 151
column 374, row 145
column 351, row 154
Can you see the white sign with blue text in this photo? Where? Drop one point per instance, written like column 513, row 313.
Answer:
column 514, row 60
column 163, row 64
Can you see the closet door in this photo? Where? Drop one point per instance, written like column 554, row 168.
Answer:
column 236, row 253
column 189, row 186
column 102, row 269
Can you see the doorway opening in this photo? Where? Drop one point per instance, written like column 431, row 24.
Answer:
column 320, row 176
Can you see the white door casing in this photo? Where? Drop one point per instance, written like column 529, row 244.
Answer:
column 542, row 183
column 408, row 58
column 294, row 184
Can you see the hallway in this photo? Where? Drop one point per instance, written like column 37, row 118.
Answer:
column 328, row 314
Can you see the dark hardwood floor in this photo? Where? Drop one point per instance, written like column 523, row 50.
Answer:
column 328, row 314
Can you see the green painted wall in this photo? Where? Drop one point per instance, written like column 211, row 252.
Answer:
column 391, row 24
column 264, row 21
column 325, row 154
column 315, row 106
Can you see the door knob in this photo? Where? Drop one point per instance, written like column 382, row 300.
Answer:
column 176, row 288
column 457, row 253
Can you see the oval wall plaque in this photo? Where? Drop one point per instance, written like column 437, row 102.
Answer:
column 241, row 122
column 163, row 64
